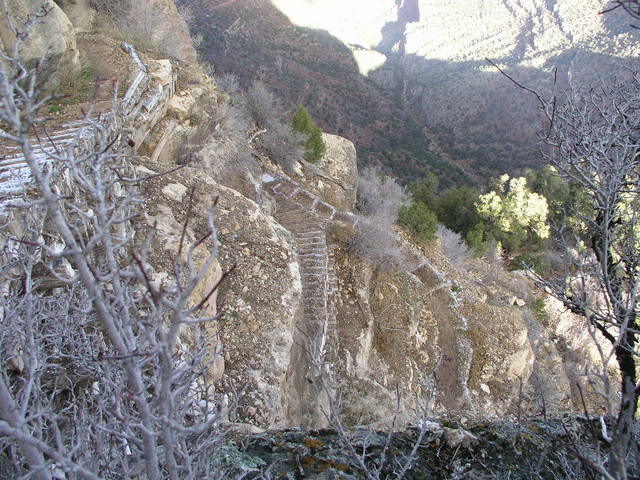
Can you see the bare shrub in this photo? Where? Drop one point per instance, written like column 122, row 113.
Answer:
column 145, row 25
column 259, row 106
column 111, row 7
column 104, row 372
column 215, row 120
column 283, row 145
column 262, row 106
column 232, row 166
column 375, row 243
column 229, row 120
column 221, row 119
column 379, row 195
column 228, row 82
column 378, row 202
column 454, row 247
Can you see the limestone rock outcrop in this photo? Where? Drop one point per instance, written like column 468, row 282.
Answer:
column 158, row 23
column 50, row 41
column 79, row 13
column 335, row 177
column 259, row 301
column 423, row 335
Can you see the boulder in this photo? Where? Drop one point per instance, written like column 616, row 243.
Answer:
column 456, row 437
column 386, row 342
column 258, row 302
column 158, row 23
column 79, row 13
column 51, row 40
column 502, row 355
column 335, row 177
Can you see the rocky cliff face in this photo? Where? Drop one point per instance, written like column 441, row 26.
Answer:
column 302, row 318
column 458, row 339
column 460, row 342
column 51, row 40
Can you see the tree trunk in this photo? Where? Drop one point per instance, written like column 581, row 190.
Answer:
column 624, row 433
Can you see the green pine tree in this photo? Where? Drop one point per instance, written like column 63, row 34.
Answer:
column 417, row 218
column 314, row 145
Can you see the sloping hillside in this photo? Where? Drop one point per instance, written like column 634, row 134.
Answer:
column 254, row 40
column 428, row 96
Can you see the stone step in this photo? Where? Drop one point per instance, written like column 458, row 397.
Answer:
column 309, row 255
column 311, row 267
column 309, row 250
column 18, row 158
column 316, row 259
column 301, row 221
column 16, row 167
column 318, row 233
column 306, row 251
column 316, row 304
column 320, row 310
column 296, row 225
column 317, row 292
column 306, row 266
column 311, row 241
column 315, row 278
column 311, row 286
column 8, row 163
column 58, row 141
column 314, row 284
column 317, row 248
column 313, row 249
column 320, row 243
column 294, row 209
column 315, row 271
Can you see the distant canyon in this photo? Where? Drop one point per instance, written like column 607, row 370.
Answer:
column 408, row 80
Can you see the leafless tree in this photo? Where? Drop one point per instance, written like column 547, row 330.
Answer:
column 594, row 140
column 103, row 369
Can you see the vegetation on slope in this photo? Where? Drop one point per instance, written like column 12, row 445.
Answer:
column 315, row 69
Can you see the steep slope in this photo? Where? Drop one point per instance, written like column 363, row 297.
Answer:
column 407, row 80
column 480, row 118
column 254, row 40
column 461, row 341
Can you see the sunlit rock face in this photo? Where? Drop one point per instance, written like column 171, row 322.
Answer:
column 464, row 29
column 432, row 55
column 357, row 22
column 512, row 30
